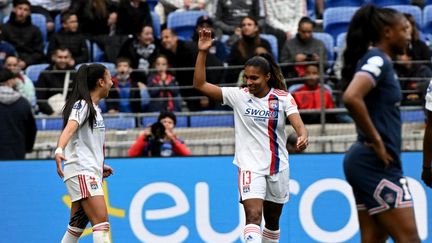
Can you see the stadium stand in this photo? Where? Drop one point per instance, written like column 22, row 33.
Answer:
column 340, row 40
column 427, row 19
column 382, row 3
column 120, row 123
column 182, row 121
column 152, row 4
column 156, row 24
column 109, row 65
column 212, row 121
column 57, row 23
column 39, row 21
column 415, row 11
column 95, row 52
column 183, row 23
column 336, row 20
column 49, row 124
column 343, row 3
column 273, row 43
column 328, row 41
column 33, row 71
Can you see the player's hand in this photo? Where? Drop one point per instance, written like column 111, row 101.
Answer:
column 107, row 171
column 427, row 176
column 381, row 151
column 58, row 159
column 205, row 39
column 302, row 143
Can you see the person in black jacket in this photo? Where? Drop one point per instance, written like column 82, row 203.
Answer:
column 132, row 15
column 17, row 125
column 51, row 80
column 70, row 38
column 23, row 35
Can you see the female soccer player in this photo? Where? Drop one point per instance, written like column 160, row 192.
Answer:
column 81, row 147
column 372, row 165
column 260, row 111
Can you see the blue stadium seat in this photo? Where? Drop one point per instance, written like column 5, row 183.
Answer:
column 95, row 52
column 336, row 20
column 121, row 123
column 44, row 124
column 57, row 23
column 156, row 24
column 328, row 41
column 427, row 19
column 311, row 9
column 182, row 121
column 183, row 23
column 415, row 11
column 413, row 116
column 382, row 3
column 273, row 43
column 33, row 71
column 39, row 21
column 340, row 40
column 343, row 3
column 111, row 66
column 152, row 4
column 212, row 121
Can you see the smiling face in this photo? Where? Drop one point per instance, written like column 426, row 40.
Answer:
column 106, row 84
column 256, row 81
column 146, row 36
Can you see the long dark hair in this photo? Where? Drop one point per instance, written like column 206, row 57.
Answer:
column 85, row 81
column 364, row 31
column 267, row 64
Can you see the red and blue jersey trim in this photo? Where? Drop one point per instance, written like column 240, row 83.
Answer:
column 273, row 104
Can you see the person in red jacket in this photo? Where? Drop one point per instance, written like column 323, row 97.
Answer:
column 159, row 139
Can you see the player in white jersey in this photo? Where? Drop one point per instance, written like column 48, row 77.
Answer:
column 81, row 145
column 260, row 112
column 427, row 140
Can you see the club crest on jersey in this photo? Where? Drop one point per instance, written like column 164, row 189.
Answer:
column 274, row 104
column 77, row 106
column 246, row 188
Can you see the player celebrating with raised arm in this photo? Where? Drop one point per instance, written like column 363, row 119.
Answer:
column 81, row 145
column 260, row 111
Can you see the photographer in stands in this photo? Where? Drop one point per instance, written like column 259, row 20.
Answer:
column 159, row 140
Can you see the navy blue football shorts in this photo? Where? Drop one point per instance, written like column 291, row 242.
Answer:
column 375, row 187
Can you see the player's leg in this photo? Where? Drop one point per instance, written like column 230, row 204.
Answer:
column 400, row 223
column 77, row 224
column 271, row 231
column 370, row 230
column 252, row 191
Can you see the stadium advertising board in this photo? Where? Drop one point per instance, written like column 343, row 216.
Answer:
column 192, row 200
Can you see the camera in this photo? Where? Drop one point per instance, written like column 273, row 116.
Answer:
column 156, row 139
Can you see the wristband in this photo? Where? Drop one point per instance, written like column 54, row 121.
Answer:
column 58, row 151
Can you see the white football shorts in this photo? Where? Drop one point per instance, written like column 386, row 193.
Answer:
column 83, row 186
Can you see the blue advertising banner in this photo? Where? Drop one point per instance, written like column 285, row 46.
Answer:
column 192, row 199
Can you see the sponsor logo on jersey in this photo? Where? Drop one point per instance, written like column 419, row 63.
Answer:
column 99, row 124
column 77, row 106
column 266, row 114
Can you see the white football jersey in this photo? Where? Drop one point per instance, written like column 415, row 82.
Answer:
column 428, row 97
column 85, row 150
column 260, row 136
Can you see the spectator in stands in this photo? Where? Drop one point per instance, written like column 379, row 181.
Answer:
column 51, row 81
column 5, row 8
column 373, row 166
column 160, row 139
column 420, row 51
column 49, row 9
column 308, row 95
column 69, row 37
column 260, row 113
column 17, row 125
column 132, row 15
column 182, row 54
column 414, row 77
column 230, row 13
column 282, row 18
column 23, row 35
column 142, row 51
column 302, row 47
column 244, row 48
column 218, row 49
column 6, row 49
column 163, row 88
column 427, row 141
column 165, row 7
column 23, row 83
column 126, row 94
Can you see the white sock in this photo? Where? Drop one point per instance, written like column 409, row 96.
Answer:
column 270, row 236
column 252, row 233
column 72, row 234
column 101, row 233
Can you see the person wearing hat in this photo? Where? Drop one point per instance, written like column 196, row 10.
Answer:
column 23, row 35
column 17, row 126
column 218, row 49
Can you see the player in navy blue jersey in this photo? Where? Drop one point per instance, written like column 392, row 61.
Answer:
column 372, row 165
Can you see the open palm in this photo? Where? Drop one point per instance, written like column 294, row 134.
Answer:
column 205, row 39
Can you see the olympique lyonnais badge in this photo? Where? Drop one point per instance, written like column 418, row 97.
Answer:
column 93, row 185
column 246, row 188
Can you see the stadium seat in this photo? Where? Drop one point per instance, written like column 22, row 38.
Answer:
column 152, row 4
column 340, row 41
column 328, row 42
column 311, row 9
column 183, row 23
column 44, row 124
column 39, row 21
column 109, row 65
column 33, row 71
column 212, row 121
column 336, row 20
column 121, row 123
column 95, row 52
column 413, row 116
column 382, row 3
column 156, row 24
column 273, row 43
column 57, row 23
column 415, row 11
column 343, row 3
column 182, row 121
column 427, row 19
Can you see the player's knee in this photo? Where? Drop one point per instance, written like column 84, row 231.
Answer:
column 253, row 216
